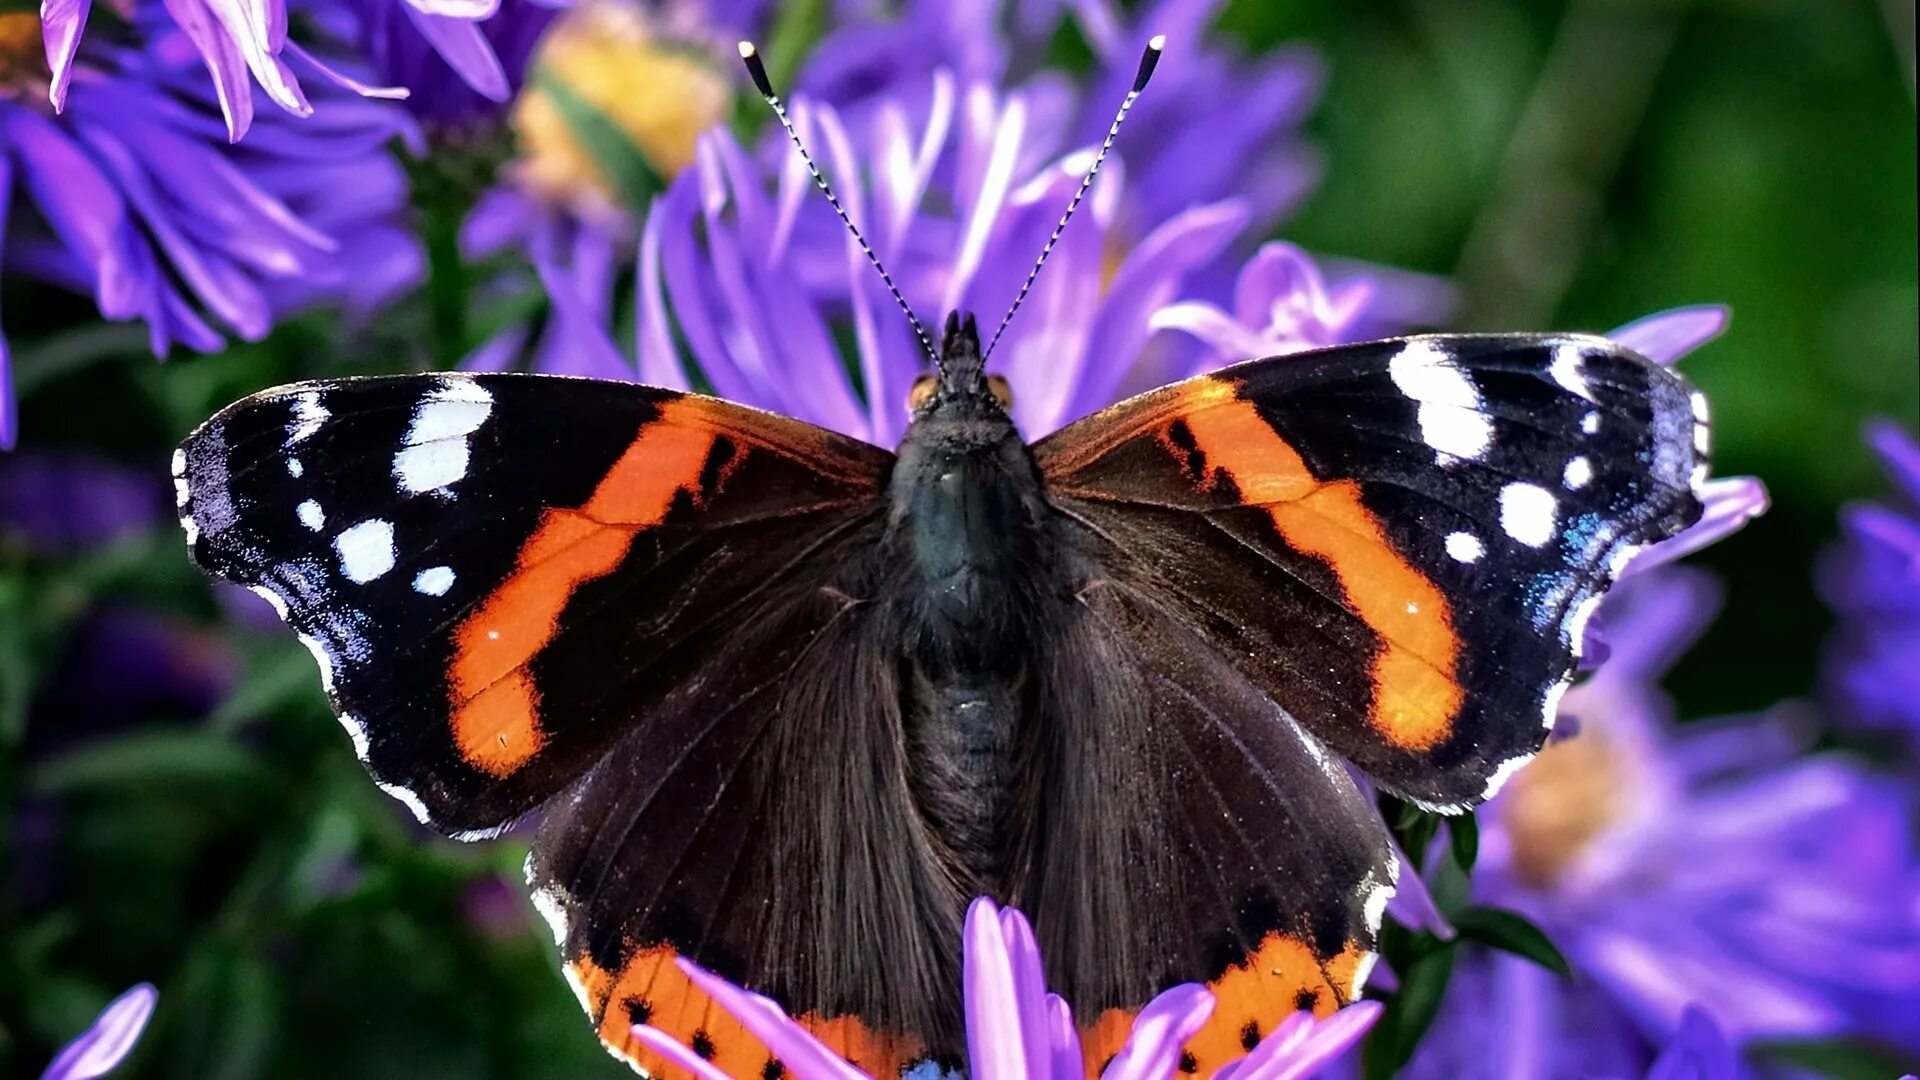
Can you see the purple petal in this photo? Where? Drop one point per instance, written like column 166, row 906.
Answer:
column 340, row 78
column 232, row 84
column 1899, row 453
column 1729, row 504
column 466, row 50
column 1308, row 1048
column 61, row 24
column 9, row 415
column 676, row 1054
column 794, row 1045
column 1147, row 279
column 1698, row 1051
column 110, row 1039
column 1669, row 335
column 1153, row 1048
column 659, row 359
column 996, row 1040
column 1063, row 1038
column 82, row 206
column 1029, row 987
column 458, row 9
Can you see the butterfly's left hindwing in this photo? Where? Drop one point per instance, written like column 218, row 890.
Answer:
column 1398, row 541
column 500, row 575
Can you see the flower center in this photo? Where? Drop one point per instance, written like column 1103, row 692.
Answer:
column 607, row 89
column 1556, row 806
column 23, row 59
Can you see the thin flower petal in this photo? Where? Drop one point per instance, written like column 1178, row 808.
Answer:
column 996, row 1038
column 1063, row 1038
column 1900, row 454
column 1698, row 1051
column 1154, row 1047
column 1667, row 336
column 109, row 1040
column 676, row 1052
column 1304, row 1050
column 1730, row 503
column 62, row 22
column 466, row 50
column 1029, row 988
column 794, row 1045
column 342, row 79
column 9, row 415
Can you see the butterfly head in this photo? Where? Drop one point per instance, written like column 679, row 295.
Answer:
column 960, row 382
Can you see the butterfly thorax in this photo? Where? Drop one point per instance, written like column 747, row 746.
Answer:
column 969, row 525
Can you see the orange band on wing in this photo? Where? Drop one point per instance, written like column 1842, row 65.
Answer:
column 1282, row 977
column 1415, row 696
column 496, row 707
column 650, row 988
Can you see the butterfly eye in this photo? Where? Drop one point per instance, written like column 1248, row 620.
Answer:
column 922, row 390
column 1000, row 388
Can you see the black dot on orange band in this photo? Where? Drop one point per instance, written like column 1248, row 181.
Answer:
column 1250, row 1035
column 772, row 1070
column 639, row 1010
column 702, row 1045
column 1306, row 1000
column 1189, row 1063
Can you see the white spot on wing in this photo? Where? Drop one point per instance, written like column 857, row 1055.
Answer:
column 1504, row 772
column 551, row 908
column 434, row 580
column 294, row 468
column 365, row 550
column 356, row 731
column 430, row 465
column 311, row 515
column 411, row 800
column 1452, row 420
column 1590, row 423
column 1528, row 513
column 308, row 415
column 1465, row 547
column 1578, row 475
column 434, row 453
column 1569, row 370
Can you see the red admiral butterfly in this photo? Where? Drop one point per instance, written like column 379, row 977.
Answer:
column 788, row 701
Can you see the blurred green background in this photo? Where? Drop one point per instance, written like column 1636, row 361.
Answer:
column 1569, row 165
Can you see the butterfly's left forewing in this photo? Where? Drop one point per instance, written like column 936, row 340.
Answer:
column 1398, row 541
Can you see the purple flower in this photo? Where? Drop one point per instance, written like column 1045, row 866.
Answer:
column 102, row 1047
column 60, row 502
column 1016, row 1030
column 454, row 69
column 758, row 280
column 134, row 195
column 246, row 42
column 1872, row 581
column 1707, row 865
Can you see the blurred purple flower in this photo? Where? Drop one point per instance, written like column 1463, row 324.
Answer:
column 137, row 199
column 244, row 42
column 1872, row 581
column 1699, row 1051
column 102, row 1047
column 55, row 503
column 1710, row 864
column 1016, row 1030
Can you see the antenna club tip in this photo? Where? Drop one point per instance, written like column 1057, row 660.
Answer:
column 756, row 69
column 1156, row 43
column 1148, row 60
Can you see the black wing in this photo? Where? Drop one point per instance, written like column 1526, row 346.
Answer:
column 502, row 575
column 1398, row 541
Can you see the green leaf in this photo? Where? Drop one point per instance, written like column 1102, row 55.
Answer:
column 1464, row 831
column 1842, row 1059
column 1409, row 1013
column 273, row 680
column 1512, row 932
column 617, row 158
column 795, row 29
column 156, row 757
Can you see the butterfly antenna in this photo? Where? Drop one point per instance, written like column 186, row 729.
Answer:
column 1148, row 60
column 758, row 70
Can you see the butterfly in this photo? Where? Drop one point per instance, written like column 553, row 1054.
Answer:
column 786, row 701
